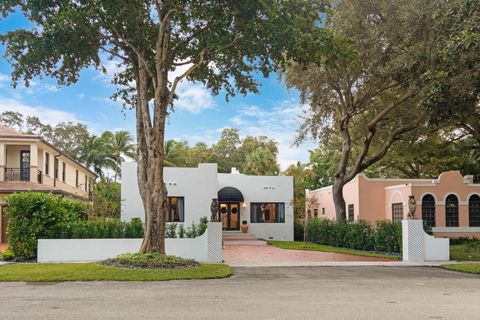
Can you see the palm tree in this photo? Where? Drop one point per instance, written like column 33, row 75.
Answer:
column 117, row 146
column 95, row 156
column 261, row 162
column 175, row 153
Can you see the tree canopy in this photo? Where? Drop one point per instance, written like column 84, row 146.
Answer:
column 402, row 67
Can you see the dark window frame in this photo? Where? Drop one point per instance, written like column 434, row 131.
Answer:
column 86, row 183
column 474, row 210
column 47, row 163
column 397, row 212
column 64, row 171
column 181, row 214
column 55, row 168
column 315, row 213
column 451, row 211
column 279, row 218
column 76, row 178
column 351, row 212
column 323, row 211
column 429, row 210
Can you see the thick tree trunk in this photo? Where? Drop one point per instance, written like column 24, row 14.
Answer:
column 338, row 200
column 150, row 153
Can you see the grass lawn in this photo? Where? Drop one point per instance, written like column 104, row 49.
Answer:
column 297, row 245
column 468, row 251
column 463, row 267
column 96, row 272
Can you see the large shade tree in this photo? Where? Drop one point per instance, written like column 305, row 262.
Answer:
column 403, row 67
column 158, row 43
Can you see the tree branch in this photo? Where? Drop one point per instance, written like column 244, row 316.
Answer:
column 392, row 106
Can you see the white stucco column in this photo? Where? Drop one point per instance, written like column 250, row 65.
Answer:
column 33, row 162
column 3, row 161
column 413, row 241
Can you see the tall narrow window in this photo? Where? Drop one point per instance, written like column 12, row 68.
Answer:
column 351, row 212
column 323, row 211
column 64, row 171
column 451, row 211
column 397, row 212
column 76, row 178
column 474, row 211
column 86, row 183
column 47, row 163
column 176, row 209
column 315, row 213
column 428, row 210
column 55, row 168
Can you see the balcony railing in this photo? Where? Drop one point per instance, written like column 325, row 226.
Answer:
column 21, row 174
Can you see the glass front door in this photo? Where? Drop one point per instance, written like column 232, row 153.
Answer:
column 230, row 216
column 25, row 165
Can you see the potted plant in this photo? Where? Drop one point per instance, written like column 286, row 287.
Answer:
column 244, row 226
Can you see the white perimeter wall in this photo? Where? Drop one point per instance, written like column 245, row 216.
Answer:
column 206, row 248
column 197, row 185
column 263, row 189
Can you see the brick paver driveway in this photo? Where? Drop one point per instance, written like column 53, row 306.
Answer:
column 272, row 256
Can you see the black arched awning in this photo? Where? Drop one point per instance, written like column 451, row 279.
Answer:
column 230, row 194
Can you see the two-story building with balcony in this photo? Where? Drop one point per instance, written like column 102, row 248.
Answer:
column 30, row 163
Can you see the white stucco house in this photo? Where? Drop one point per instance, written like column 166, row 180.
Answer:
column 265, row 202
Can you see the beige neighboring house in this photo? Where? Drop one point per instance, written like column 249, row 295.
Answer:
column 30, row 163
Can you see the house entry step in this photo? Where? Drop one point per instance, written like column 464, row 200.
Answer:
column 241, row 239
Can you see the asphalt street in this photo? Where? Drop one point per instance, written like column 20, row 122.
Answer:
column 257, row 293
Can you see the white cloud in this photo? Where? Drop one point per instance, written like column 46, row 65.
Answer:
column 194, row 98
column 280, row 124
column 51, row 87
column 46, row 115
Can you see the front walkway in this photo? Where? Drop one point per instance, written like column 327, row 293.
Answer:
column 262, row 256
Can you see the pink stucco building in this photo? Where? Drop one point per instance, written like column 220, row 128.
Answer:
column 449, row 204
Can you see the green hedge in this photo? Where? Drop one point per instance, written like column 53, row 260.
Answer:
column 111, row 229
column 383, row 236
column 34, row 215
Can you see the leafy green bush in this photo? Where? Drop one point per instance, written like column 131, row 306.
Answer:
column 298, row 230
column 181, row 231
column 150, row 261
column 191, row 231
column 384, row 236
column 7, row 255
column 202, row 226
column 34, row 215
column 110, row 229
column 388, row 237
column 171, row 230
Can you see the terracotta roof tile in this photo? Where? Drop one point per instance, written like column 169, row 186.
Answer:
column 9, row 132
column 13, row 186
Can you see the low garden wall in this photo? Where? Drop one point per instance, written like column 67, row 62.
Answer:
column 418, row 246
column 205, row 248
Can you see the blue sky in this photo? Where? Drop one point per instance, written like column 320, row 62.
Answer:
column 198, row 116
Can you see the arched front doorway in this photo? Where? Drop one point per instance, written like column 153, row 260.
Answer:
column 229, row 199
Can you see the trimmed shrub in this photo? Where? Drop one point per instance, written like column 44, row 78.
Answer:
column 384, row 236
column 111, row 229
column 171, row 230
column 298, row 230
column 7, row 255
column 150, row 261
column 34, row 215
column 202, row 226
